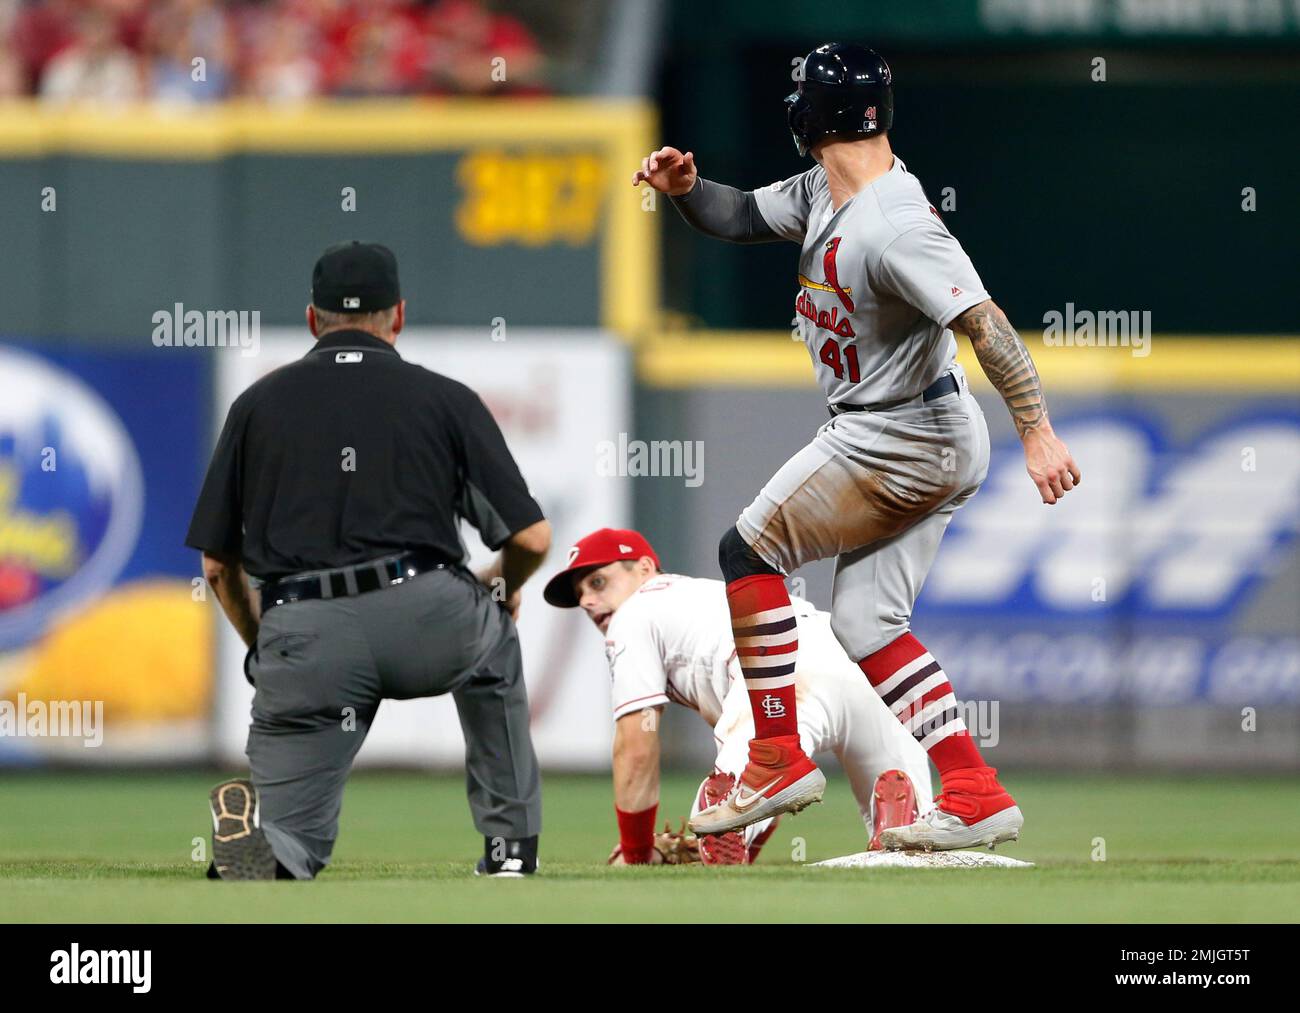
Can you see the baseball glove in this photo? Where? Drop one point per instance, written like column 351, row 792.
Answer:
column 671, row 847
column 678, row 847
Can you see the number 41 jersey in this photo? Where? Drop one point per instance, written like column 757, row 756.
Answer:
column 879, row 281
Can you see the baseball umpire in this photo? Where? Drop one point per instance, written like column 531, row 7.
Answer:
column 338, row 482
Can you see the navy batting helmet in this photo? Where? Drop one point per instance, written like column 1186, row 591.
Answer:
column 845, row 89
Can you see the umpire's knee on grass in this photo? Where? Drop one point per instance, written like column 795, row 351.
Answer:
column 738, row 559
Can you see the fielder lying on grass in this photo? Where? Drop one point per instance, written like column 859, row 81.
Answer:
column 668, row 639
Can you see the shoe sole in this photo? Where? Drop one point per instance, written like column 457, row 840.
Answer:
column 481, row 870
column 240, row 850
column 1000, row 828
column 721, row 849
column 724, row 849
column 893, row 804
column 791, row 799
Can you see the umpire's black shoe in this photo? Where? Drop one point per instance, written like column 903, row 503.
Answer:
column 508, row 859
column 239, row 848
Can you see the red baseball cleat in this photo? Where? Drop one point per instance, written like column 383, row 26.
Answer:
column 973, row 810
column 779, row 778
column 720, row 849
column 893, row 804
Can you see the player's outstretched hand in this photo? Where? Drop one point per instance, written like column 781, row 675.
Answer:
column 1049, row 464
column 668, row 171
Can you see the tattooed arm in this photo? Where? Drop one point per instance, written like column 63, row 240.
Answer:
column 1006, row 362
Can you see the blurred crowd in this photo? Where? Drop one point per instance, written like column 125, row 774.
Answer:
column 274, row 50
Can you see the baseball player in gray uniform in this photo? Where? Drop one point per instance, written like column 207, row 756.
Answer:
column 883, row 286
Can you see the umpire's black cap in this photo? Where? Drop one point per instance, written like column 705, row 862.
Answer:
column 355, row 277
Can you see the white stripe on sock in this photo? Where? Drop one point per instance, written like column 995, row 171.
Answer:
column 905, row 702
column 771, row 682
column 761, row 618
column 954, row 727
column 769, row 639
column 915, row 665
column 930, row 711
column 762, row 661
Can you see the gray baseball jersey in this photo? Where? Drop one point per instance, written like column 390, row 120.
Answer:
column 879, row 281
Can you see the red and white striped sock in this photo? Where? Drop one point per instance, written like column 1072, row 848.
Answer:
column 918, row 693
column 767, row 642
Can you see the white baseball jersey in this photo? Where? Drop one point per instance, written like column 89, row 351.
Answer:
column 879, row 281
column 671, row 641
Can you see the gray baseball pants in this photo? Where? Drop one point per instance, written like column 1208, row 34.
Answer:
column 875, row 490
column 320, row 671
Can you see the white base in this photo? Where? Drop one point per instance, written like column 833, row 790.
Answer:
column 924, row 860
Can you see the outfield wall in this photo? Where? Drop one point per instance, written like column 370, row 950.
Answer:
column 119, row 214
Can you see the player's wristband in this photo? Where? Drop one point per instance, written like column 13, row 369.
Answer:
column 636, row 834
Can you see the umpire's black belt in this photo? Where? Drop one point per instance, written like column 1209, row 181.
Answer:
column 946, row 384
column 351, row 580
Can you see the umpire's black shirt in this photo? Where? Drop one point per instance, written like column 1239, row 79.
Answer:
column 423, row 450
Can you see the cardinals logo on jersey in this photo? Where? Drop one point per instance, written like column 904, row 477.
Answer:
column 832, row 275
column 806, row 307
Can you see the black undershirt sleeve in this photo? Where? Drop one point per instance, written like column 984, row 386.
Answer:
column 724, row 212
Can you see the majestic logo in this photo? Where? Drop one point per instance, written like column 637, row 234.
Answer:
column 806, row 307
column 71, row 495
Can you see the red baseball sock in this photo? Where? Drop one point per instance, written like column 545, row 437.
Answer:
column 915, row 689
column 767, row 639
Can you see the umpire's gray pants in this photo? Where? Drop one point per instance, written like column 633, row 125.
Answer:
column 321, row 669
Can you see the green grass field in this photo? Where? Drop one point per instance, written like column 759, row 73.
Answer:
column 117, row 847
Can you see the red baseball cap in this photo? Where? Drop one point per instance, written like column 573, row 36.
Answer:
column 600, row 548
